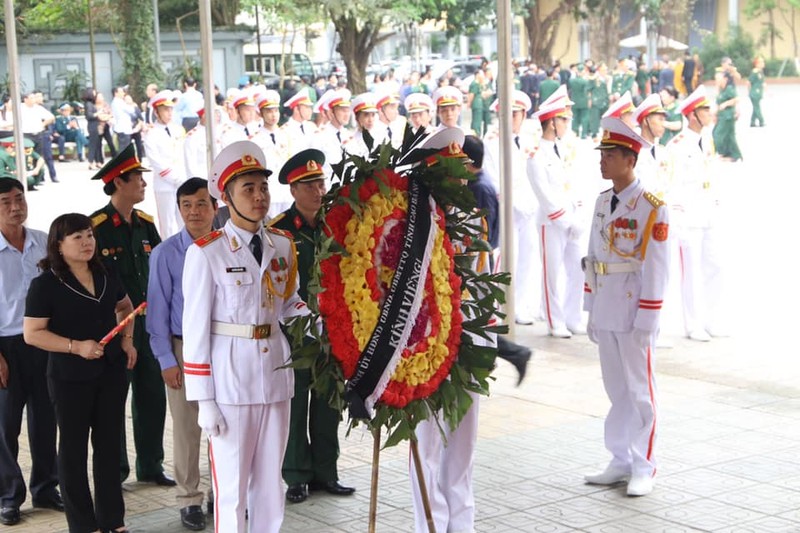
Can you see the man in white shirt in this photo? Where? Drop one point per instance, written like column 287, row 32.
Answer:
column 190, row 101
column 23, row 368
column 36, row 121
column 123, row 118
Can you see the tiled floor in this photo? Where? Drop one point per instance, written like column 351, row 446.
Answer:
column 729, row 442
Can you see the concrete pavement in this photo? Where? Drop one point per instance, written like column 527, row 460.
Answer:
column 729, row 418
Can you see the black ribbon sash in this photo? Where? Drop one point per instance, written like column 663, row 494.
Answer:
column 395, row 318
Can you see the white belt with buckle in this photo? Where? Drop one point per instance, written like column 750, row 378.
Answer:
column 615, row 268
column 244, row 331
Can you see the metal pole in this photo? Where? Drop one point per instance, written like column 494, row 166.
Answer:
column 157, row 31
column 504, row 87
column 206, row 54
column 14, row 88
column 91, row 43
column 259, row 67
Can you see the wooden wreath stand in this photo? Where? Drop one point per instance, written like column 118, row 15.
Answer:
column 373, row 489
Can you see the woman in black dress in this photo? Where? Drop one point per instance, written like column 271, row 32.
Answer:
column 95, row 156
column 70, row 307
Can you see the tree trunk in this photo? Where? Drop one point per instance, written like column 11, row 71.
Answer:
column 542, row 30
column 355, row 46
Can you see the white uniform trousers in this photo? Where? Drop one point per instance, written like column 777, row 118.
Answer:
column 447, row 470
column 169, row 218
column 628, row 367
column 528, row 272
column 246, row 464
column 701, row 279
column 562, row 277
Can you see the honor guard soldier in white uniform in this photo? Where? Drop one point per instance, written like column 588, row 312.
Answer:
column 561, row 222
column 419, row 108
column 299, row 129
column 195, row 146
column 622, row 109
column 447, row 463
column 448, row 101
column 273, row 142
column 239, row 283
column 527, row 270
column 626, row 275
column 331, row 138
column 391, row 122
column 691, row 161
column 651, row 167
column 164, row 147
column 246, row 124
column 366, row 115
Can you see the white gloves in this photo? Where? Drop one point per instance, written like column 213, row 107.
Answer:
column 210, row 418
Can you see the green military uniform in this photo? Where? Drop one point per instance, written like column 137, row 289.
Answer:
column 312, row 449
column 725, row 128
column 476, row 106
column 673, row 115
column 621, row 83
column 547, row 88
column 641, row 83
column 8, row 165
column 598, row 91
column 756, row 93
column 126, row 249
column 31, row 158
column 579, row 93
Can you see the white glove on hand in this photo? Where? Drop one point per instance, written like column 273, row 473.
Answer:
column 210, row 418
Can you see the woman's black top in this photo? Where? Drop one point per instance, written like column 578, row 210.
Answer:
column 76, row 314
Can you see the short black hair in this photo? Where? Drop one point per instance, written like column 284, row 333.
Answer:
column 473, row 147
column 671, row 91
column 9, row 184
column 62, row 227
column 190, row 187
column 190, row 81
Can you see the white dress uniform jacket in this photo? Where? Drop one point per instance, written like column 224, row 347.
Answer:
column 165, row 152
column 238, row 132
column 299, row 134
column 627, row 271
column 275, row 146
column 331, row 142
column 195, row 151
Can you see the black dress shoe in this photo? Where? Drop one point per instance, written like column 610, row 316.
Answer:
column 192, row 518
column 331, row 487
column 297, row 493
column 162, row 480
column 515, row 354
column 53, row 502
column 9, row 516
column 210, row 507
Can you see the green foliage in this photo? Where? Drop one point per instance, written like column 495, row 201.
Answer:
column 136, row 47
column 471, row 370
column 772, row 68
column 738, row 45
column 191, row 67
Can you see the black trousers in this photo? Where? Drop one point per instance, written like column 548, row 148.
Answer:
column 27, row 389
column 91, row 408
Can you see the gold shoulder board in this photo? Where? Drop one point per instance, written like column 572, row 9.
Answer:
column 99, row 219
column 654, row 200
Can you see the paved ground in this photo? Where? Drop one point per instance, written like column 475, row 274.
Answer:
column 729, row 442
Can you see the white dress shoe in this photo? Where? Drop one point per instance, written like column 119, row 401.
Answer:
column 610, row 476
column 578, row 329
column 640, row 485
column 561, row 333
column 700, row 335
column 523, row 320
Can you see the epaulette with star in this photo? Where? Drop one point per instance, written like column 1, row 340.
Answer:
column 275, row 220
column 209, row 238
column 99, row 219
column 144, row 216
column 281, row 232
column 531, row 153
column 654, row 200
